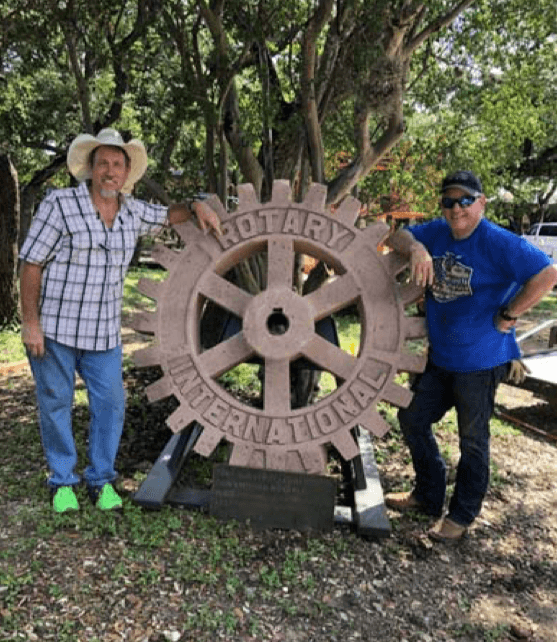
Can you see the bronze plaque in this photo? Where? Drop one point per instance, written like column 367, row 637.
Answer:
column 273, row 498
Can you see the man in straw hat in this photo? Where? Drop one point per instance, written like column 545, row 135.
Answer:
column 74, row 261
column 480, row 278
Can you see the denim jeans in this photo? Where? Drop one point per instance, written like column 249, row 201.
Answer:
column 472, row 394
column 54, row 375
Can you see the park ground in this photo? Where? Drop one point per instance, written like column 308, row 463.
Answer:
column 180, row 575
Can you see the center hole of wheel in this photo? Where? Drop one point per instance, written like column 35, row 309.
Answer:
column 278, row 323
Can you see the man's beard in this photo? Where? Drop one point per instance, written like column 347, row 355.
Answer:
column 109, row 193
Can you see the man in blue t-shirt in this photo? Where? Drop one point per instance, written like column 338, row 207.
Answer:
column 480, row 278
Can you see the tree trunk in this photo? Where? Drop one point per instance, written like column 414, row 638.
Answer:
column 9, row 226
column 27, row 208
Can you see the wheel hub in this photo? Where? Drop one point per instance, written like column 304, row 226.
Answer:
column 278, row 324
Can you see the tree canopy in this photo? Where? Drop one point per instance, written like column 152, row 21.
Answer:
column 309, row 90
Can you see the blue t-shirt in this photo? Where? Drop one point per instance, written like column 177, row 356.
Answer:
column 474, row 277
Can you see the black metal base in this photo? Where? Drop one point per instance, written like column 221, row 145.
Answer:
column 156, row 490
column 365, row 509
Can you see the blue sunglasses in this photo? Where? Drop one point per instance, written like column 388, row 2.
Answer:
column 464, row 201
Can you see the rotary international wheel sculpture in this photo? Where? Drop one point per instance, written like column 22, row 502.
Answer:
column 278, row 327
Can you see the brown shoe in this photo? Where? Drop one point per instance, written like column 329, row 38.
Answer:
column 403, row 502
column 445, row 530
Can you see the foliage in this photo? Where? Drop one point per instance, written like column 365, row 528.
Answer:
column 492, row 97
column 471, row 83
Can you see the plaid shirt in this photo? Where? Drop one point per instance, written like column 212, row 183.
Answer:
column 84, row 264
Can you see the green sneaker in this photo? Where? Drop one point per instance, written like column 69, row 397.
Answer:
column 108, row 499
column 64, row 499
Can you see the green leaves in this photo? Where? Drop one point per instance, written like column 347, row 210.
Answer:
column 181, row 77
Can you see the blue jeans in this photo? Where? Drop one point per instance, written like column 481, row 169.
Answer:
column 472, row 394
column 54, row 375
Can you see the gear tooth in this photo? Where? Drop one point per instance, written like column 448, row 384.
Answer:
column 315, row 460
column 164, row 256
column 241, row 454
column 411, row 362
column 395, row 263
column 348, row 211
column 410, row 293
column 188, row 231
column 414, row 327
column 143, row 322
column 247, row 198
column 149, row 288
column 214, row 202
column 258, row 459
column 147, row 357
column 207, row 442
column 397, row 395
column 374, row 423
column 375, row 233
column 159, row 390
column 282, row 192
column 316, row 197
column 294, row 462
column 345, row 444
column 179, row 419
column 192, row 234
column 276, row 459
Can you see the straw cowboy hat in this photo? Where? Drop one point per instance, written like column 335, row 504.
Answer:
column 80, row 151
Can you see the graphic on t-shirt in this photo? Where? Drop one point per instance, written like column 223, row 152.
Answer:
column 452, row 278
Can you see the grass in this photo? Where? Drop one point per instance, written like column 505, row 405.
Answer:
column 546, row 307
column 218, row 580
column 133, row 299
column 11, row 347
column 160, row 551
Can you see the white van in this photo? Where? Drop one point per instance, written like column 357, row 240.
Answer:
column 544, row 236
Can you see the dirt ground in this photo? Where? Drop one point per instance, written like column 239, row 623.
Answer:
column 498, row 584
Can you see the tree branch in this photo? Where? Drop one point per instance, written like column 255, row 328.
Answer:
column 228, row 99
column 436, row 25
column 308, row 88
column 81, row 82
column 349, row 176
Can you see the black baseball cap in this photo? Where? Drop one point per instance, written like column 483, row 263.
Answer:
column 464, row 180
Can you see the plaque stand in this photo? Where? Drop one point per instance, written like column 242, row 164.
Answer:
column 365, row 509
column 270, row 498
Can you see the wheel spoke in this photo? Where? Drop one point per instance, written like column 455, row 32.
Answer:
column 333, row 296
column 331, row 358
column 280, row 262
column 224, row 293
column 277, row 386
column 225, row 356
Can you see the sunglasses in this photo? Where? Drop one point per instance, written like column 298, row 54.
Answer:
column 464, row 201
